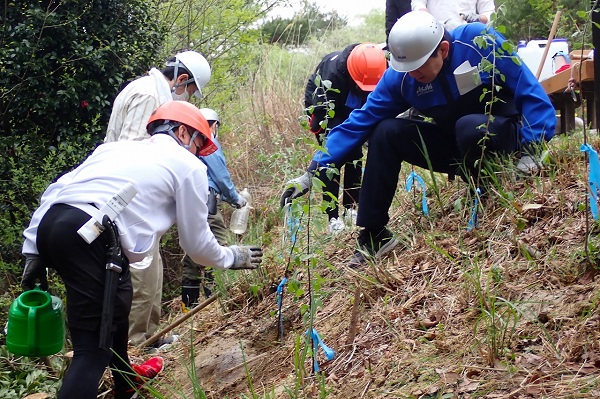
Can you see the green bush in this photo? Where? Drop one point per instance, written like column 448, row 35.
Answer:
column 61, row 65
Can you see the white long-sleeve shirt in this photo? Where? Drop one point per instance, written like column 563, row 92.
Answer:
column 172, row 187
column 134, row 105
column 442, row 10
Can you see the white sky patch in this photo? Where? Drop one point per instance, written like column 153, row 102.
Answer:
column 351, row 9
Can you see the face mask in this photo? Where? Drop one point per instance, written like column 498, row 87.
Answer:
column 185, row 96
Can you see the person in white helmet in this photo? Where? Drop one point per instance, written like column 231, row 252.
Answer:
column 476, row 10
column 221, row 188
column 184, row 75
column 436, row 72
column 159, row 182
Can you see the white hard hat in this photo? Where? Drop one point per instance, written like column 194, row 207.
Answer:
column 210, row 115
column 197, row 65
column 413, row 39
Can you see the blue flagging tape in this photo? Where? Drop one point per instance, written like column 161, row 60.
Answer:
column 292, row 223
column 280, row 291
column 593, row 178
column 329, row 353
column 279, row 302
column 409, row 182
column 474, row 221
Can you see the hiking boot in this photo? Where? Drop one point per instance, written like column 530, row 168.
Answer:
column 336, row 225
column 372, row 246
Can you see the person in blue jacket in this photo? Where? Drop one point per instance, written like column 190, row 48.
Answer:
column 221, row 188
column 440, row 74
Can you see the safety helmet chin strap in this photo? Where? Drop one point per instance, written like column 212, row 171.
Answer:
column 176, row 85
column 169, row 127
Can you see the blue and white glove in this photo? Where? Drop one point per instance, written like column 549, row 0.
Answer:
column 240, row 203
column 296, row 188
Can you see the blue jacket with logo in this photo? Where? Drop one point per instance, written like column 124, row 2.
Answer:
column 517, row 94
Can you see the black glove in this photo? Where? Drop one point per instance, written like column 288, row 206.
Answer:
column 246, row 257
column 296, row 187
column 34, row 270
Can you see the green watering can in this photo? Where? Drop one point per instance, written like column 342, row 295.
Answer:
column 36, row 324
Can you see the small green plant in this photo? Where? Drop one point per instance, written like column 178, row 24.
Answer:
column 22, row 376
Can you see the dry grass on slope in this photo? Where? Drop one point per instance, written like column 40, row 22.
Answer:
column 509, row 310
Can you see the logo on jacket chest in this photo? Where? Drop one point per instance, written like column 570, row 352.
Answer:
column 425, row 89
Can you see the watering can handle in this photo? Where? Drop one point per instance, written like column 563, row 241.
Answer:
column 31, row 324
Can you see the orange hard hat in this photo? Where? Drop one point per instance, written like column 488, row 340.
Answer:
column 366, row 65
column 186, row 114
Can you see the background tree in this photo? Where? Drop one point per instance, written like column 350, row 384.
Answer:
column 532, row 19
column 221, row 31
column 307, row 22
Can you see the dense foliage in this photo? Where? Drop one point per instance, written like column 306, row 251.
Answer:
column 532, row 19
column 61, row 65
column 306, row 23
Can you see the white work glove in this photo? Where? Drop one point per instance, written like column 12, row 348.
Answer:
column 296, row 188
column 528, row 165
column 240, row 203
column 246, row 256
column 470, row 17
column 34, row 270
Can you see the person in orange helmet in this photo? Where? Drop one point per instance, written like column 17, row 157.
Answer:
column 107, row 213
column 353, row 73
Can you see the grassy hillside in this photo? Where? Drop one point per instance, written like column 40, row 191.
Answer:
column 507, row 310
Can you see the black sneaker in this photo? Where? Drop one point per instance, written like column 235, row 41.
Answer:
column 372, row 246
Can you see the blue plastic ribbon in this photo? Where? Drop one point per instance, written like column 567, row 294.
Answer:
column 279, row 302
column 280, row 291
column 474, row 221
column 316, row 340
column 593, row 178
column 293, row 223
column 409, row 182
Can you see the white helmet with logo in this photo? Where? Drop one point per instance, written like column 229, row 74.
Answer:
column 413, row 39
column 197, row 65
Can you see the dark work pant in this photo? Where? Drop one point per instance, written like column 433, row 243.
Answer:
column 82, row 267
column 352, row 172
column 396, row 140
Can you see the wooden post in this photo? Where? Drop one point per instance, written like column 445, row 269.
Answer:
column 548, row 43
column 178, row 321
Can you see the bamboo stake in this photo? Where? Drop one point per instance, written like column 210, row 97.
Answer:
column 178, row 321
column 548, row 43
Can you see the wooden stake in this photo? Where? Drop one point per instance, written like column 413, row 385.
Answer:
column 548, row 43
column 178, row 321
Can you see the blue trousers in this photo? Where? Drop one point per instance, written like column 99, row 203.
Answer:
column 449, row 149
